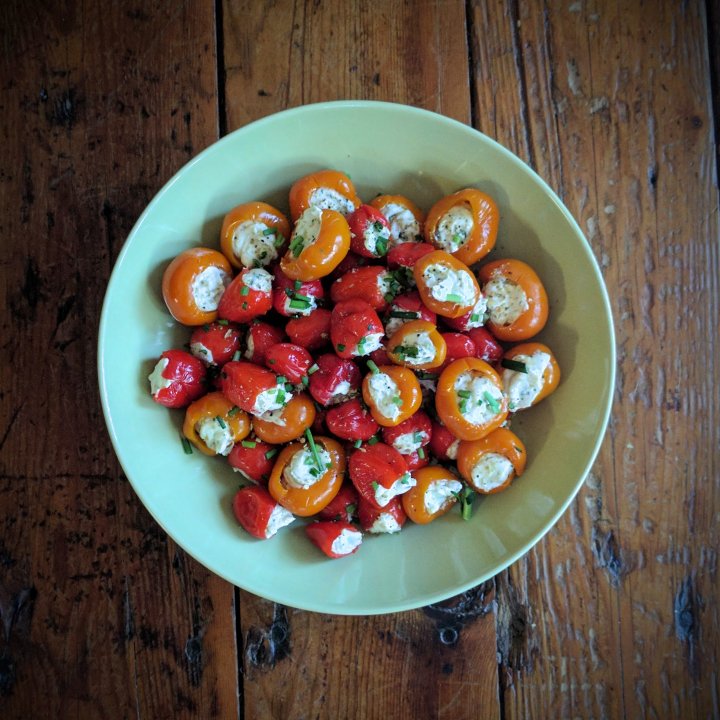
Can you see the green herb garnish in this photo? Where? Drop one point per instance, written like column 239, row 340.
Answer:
column 220, row 422
column 313, row 448
column 236, row 355
column 248, row 443
column 234, row 410
column 453, row 297
column 421, row 453
column 464, row 393
column 271, row 453
column 244, row 290
column 404, row 314
column 313, row 368
column 492, row 402
column 514, row 365
column 187, row 447
column 374, row 369
column 223, row 322
column 269, row 231
column 357, row 443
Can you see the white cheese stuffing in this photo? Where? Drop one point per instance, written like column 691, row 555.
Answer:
column 259, row 280
column 267, row 401
column 385, row 283
column 522, row 388
column 274, row 416
column 452, row 450
column 491, row 471
column 403, row 225
column 385, row 394
column 478, row 315
column 306, row 230
column 252, row 246
column 408, row 443
column 477, row 407
column 449, row 285
column 208, row 286
column 506, row 300
column 385, row 523
column 384, row 495
column 219, row 439
column 369, row 344
column 157, row 381
column 341, row 392
column 454, row 228
column 438, row 493
column 423, row 352
column 250, row 350
column 201, row 352
column 306, row 308
column 302, row 471
column 329, row 199
column 346, row 542
column 374, row 232
column 279, row 517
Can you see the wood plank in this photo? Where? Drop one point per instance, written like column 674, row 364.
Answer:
column 434, row 663
column 103, row 616
column 616, row 604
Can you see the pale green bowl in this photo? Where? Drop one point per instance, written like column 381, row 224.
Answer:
column 391, row 149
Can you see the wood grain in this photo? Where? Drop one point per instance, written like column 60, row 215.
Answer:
column 436, row 663
column 615, row 601
column 103, row 616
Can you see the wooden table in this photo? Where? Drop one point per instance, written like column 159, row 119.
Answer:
column 614, row 614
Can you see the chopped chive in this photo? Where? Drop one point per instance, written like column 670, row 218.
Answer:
column 361, row 345
column 299, row 304
column 187, row 447
column 457, row 239
column 404, row 314
column 514, row 365
column 463, row 405
column 380, row 246
column 271, row 453
column 404, row 480
column 328, row 466
column 313, row 368
column 389, row 297
column 464, row 393
column 409, row 350
column 305, row 381
column 279, row 240
column 421, row 453
column 271, row 362
column 223, row 322
column 281, row 379
column 452, row 297
column 248, row 443
column 306, row 298
column 357, row 443
column 296, row 246
column 374, row 369
column 289, row 387
column 378, row 226
column 314, row 471
column 280, row 396
column 313, row 447
column 397, row 400
column 375, row 485
column 373, row 440
column 298, row 284
column 245, row 306
column 350, row 509
column 269, row 231
column 236, row 355
column 220, row 422
column 244, row 290
column 474, row 317
column 466, row 501
column 234, row 410
column 340, row 347
column 517, row 449
column 492, row 402
column 417, row 436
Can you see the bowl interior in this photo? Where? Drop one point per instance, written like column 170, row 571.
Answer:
column 384, row 148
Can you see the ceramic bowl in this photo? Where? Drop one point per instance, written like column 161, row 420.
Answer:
column 385, row 148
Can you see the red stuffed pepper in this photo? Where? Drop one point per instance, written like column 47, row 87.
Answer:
column 248, row 296
column 381, row 521
column 355, row 329
column 177, row 379
column 261, row 336
column 253, row 459
column 311, row 332
column 410, row 436
column 294, row 298
column 257, row 512
column 290, row 361
column 374, row 284
column 333, row 380
column 379, row 473
column 336, row 538
column 351, row 421
column 253, row 389
column 369, row 232
column 215, row 344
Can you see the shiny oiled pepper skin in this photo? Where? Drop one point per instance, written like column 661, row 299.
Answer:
column 296, row 417
column 410, row 394
column 401, row 336
column 303, row 188
column 551, row 376
column 413, row 501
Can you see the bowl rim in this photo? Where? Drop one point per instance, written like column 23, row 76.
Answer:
column 428, row 598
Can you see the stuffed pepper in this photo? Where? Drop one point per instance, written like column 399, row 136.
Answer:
column 324, row 190
column 355, row 329
column 257, row 512
column 177, row 379
column 417, row 345
column 404, row 217
column 490, row 464
column 434, row 494
column 530, row 374
column 446, row 285
column 214, row 425
column 391, row 392
column 248, row 296
column 379, row 473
